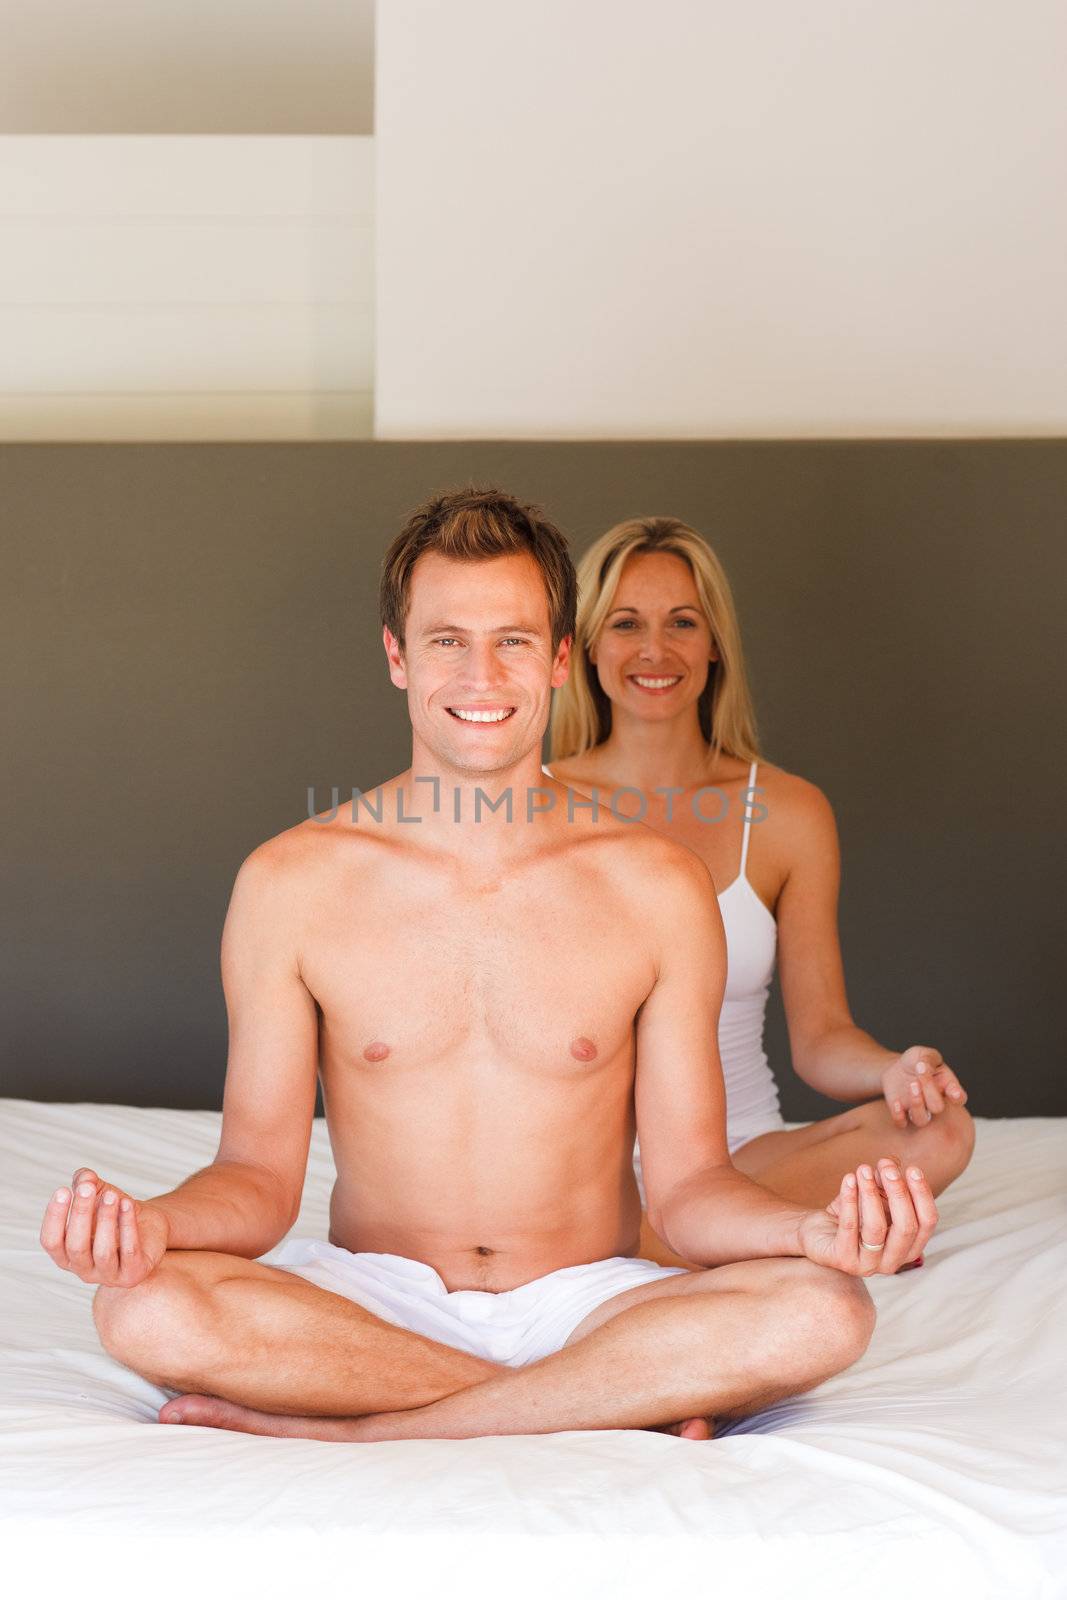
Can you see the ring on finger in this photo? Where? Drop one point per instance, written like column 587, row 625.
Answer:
column 867, row 1246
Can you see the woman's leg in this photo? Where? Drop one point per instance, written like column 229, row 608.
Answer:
column 652, row 1248
column 806, row 1165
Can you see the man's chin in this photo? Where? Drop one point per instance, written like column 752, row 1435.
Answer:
column 482, row 764
column 469, row 761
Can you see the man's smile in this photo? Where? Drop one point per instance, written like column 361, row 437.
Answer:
column 480, row 713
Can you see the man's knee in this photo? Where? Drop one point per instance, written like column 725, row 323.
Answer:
column 163, row 1328
column 831, row 1312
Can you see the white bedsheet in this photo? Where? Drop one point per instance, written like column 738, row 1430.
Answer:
column 937, row 1465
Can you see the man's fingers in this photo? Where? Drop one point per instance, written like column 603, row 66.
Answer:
column 873, row 1225
column 54, row 1227
column 80, row 1229
column 904, row 1226
column 848, row 1222
column 129, row 1237
column 925, row 1207
column 105, row 1236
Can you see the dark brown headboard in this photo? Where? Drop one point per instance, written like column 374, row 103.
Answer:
column 193, row 639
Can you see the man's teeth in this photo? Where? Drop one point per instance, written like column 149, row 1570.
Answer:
column 480, row 716
column 655, row 683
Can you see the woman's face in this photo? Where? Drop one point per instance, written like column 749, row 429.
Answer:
column 653, row 651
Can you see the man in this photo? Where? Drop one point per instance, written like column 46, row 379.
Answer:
column 495, row 984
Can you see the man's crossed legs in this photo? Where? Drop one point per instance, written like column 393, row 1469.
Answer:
column 268, row 1352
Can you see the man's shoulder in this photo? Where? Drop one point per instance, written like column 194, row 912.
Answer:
column 651, row 865
column 290, row 857
column 346, row 830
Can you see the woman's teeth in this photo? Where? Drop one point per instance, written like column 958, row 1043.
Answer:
column 656, row 683
column 480, row 716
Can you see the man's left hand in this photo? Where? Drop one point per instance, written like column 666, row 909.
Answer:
column 880, row 1218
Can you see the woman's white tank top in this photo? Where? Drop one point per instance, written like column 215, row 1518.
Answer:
column 752, row 1104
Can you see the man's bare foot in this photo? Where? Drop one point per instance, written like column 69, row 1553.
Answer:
column 695, row 1428
column 208, row 1411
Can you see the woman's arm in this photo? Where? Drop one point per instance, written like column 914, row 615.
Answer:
column 829, row 1051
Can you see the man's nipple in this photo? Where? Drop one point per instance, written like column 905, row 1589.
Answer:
column 376, row 1051
column 583, row 1049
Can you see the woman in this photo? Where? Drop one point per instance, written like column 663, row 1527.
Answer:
column 657, row 701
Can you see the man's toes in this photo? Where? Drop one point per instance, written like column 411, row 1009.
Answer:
column 208, row 1411
column 695, row 1428
column 202, row 1410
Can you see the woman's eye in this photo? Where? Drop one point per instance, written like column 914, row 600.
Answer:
column 685, row 622
column 627, row 622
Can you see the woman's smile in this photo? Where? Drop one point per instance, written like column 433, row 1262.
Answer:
column 648, row 683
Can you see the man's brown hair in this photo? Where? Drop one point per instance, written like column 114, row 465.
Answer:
column 475, row 525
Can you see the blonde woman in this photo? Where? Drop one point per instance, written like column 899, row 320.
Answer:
column 656, row 717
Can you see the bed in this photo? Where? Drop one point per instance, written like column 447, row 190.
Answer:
column 935, row 1465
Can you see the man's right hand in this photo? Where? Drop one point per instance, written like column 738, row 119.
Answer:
column 101, row 1234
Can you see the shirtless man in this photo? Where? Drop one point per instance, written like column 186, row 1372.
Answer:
column 492, row 1001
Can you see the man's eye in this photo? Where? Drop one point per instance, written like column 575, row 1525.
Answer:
column 514, row 641
column 446, row 641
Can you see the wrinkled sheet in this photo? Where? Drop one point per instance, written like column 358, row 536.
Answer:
column 937, row 1464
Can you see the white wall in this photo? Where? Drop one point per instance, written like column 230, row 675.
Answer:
column 187, row 66
column 604, row 218
column 186, row 288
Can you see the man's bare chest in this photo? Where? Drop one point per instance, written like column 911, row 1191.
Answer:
column 410, row 977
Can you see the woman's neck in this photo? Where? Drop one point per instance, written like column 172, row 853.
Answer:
column 648, row 756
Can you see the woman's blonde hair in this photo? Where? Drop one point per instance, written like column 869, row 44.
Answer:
column 581, row 711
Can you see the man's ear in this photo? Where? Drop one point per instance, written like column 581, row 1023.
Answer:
column 561, row 666
column 394, row 653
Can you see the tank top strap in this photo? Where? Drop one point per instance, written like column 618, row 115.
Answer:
column 748, row 817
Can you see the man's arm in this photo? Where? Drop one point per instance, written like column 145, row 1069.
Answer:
column 698, row 1202
column 250, row 1195
column 247, row 1199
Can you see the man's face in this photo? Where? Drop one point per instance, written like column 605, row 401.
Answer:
column 477, row 663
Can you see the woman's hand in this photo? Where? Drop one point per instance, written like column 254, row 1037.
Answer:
column 875, row 1223
column 919, row 1084
column 101, row 1234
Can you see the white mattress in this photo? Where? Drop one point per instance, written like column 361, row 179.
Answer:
column 936, row 1465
